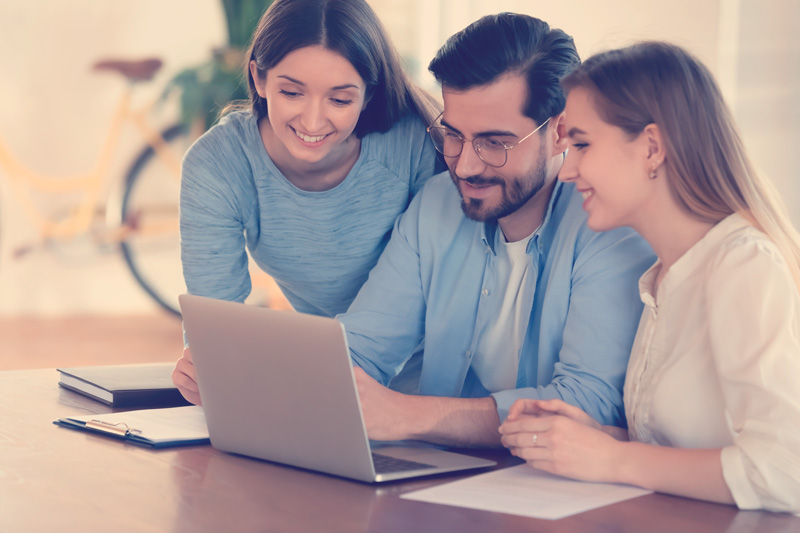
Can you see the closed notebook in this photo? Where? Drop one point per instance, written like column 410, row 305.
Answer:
column 143, row 385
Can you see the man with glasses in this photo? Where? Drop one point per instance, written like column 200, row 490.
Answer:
column 492, row 268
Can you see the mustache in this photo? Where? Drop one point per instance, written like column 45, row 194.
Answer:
column 478, row 181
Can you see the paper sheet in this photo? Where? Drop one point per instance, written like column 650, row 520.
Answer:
column 159, row 425
column 523, row 490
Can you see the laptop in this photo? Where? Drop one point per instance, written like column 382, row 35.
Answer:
column 279, row 386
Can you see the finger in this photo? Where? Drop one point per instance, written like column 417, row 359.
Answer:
column 187, row 354
column 520, row 407
column 523, row 440
column 530, row 453
column 560, row 407
column 526, row 424
column 182, row 380
column 526, row 407
column 191, row 396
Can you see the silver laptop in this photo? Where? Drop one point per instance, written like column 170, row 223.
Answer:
column 279, row 386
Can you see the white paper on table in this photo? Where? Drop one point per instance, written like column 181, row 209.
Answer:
column 523, row 490
column 159, row 425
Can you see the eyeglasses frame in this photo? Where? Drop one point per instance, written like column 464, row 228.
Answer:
column 472, row 141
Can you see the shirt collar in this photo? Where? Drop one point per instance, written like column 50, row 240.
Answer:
column 694, row 258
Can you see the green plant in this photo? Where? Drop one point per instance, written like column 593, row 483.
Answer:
column 207, row 88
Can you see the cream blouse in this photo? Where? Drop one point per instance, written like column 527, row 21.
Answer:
column 716, row 363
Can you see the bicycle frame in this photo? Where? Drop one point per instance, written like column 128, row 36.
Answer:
column 23, row 179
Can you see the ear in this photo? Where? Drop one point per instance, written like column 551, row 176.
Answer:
column 654, row 142
column 367, row 98
column 559, row 129
column 257, row 81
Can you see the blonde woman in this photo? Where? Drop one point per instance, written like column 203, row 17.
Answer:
column 712, row 393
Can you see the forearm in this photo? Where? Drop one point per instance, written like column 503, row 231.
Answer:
column 467, row 422
column 683, row 472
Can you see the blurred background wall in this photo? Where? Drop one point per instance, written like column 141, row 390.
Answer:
column 54, row 111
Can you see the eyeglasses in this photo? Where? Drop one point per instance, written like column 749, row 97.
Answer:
column 490, row 150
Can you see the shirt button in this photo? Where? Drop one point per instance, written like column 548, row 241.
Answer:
column 468, row 353
column 485, row 292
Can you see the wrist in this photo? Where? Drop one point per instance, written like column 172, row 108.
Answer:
column 621, row 466
column 418, row 420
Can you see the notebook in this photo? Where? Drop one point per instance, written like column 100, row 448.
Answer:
column 279, row 386
column 141, row 385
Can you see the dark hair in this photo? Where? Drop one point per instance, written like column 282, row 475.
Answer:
column 510, row 43
column 351, row 29
column 707, row 168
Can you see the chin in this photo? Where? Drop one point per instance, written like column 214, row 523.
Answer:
column 600, row 225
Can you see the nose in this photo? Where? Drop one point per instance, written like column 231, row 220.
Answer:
column 467, row 163
column 313, row 118
column 569, row 168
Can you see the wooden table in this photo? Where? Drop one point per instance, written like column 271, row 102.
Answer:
column 56, row 479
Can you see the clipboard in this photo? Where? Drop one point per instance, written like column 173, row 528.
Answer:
column 151, row 428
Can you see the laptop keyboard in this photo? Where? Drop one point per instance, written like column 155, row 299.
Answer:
column 386, row 465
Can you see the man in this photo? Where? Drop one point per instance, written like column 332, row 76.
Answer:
column 499, row 277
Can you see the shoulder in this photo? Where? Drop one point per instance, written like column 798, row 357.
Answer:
column 403, row 139
column 409, row 124
column 440, row 195
column 745, row 248
column 228, row 143
column 436, row 209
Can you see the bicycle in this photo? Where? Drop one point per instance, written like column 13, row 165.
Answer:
column 141, row 214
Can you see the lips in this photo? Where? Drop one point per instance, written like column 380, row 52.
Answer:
column 309, row 139
column 477, row 189
column 587, row 195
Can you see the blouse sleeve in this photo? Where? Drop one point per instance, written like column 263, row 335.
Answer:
column 212, row 228
column 754, row 326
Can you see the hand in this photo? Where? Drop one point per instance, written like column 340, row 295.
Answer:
column 383, row 409
column 185, row 378
column 563, row 446
column 549, row 408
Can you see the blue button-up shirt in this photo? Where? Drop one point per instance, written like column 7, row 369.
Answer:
column 435, row 282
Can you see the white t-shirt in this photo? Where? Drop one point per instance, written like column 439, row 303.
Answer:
column 499, row 344
column 716, row 363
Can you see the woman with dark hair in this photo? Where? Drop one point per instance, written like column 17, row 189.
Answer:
column 712, row 393
column 311, row 178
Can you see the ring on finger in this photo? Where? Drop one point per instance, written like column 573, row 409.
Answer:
column 535, row 439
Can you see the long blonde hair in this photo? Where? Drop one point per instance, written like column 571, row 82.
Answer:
column 709, row 172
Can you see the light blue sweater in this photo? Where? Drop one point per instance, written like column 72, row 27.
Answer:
column 319, row 246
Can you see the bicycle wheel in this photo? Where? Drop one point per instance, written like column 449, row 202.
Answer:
column 150, row 241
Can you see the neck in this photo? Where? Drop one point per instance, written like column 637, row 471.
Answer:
column 670, row 231
column 525, row 220
column 529, row 217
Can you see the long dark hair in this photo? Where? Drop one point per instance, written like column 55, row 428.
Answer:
column 707, row 168
column 351, row 29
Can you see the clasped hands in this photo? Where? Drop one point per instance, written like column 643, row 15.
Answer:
column 559, row 438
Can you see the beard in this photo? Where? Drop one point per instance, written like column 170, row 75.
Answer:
column 515, row 192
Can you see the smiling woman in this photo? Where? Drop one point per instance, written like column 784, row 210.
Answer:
column 316, row 98
column 310, row 178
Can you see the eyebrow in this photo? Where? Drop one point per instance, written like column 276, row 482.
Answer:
column 337, row 88
column 575, row 131
column 490, row 133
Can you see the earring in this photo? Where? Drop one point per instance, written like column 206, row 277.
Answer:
column 653, row 174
